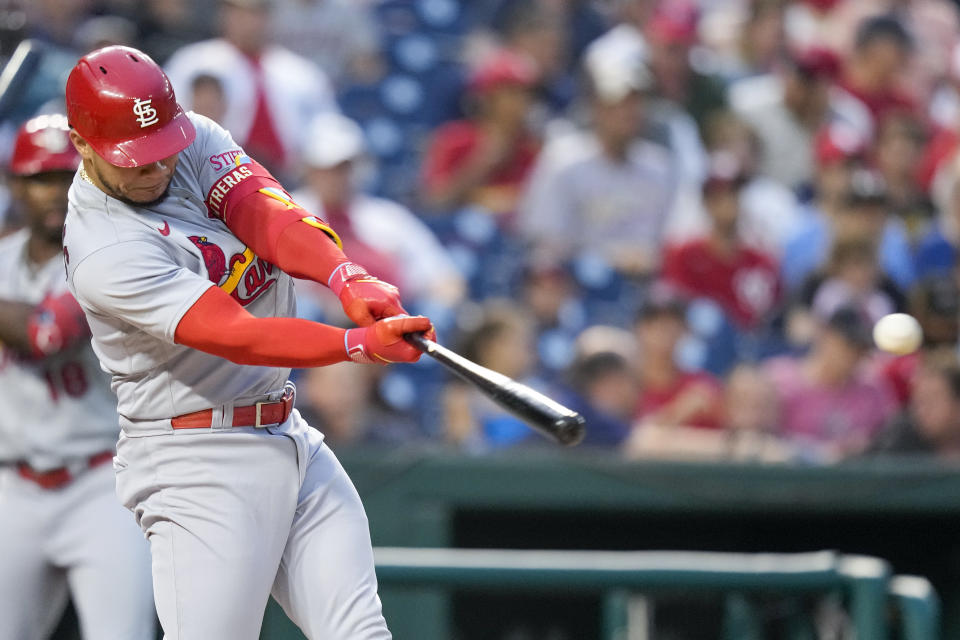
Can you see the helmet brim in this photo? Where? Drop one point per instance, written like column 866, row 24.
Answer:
column 168, row 140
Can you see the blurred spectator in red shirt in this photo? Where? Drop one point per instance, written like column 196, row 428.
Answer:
column 743, row 280
column 749, row 433
column 769, row 211
column 785, row 110
column 829, row 406
column 485, row 160
column 670, row 396
column 931, row 422
column 873, row 74
column 933, row 24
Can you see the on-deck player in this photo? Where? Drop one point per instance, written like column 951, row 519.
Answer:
column 61, row 526
column 180, row 248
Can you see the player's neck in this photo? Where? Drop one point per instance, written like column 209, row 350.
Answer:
column 91, row 176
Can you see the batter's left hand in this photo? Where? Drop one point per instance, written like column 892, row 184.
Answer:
column 364, row 298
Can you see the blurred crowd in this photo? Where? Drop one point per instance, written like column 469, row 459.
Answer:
column 680, row 217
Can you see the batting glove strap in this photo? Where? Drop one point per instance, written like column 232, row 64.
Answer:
column 353, row 342
column 344, row 273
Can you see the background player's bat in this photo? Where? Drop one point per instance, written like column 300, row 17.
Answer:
column 547, row 416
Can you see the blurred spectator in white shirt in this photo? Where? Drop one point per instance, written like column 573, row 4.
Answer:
column 603, row 190
column 384, row 236
column 785, row 110
column 271, row 93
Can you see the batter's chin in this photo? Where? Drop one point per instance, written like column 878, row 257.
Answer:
column 144, row 203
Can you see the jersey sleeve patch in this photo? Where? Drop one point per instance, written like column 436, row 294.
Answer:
column 248, row 176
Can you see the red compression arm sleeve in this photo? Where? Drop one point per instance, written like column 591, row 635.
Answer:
column 256, row 208
column 217, row 324
column 292, row 239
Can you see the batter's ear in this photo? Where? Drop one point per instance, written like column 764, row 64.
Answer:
column 82, row 146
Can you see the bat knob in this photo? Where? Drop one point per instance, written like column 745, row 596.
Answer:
column 569, row 430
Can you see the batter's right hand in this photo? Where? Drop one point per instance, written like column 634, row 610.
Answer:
column 365, row 299
column 383, row 343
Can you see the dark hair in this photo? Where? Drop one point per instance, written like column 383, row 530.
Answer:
column 850, row 250
column 937, row 295
column 522, row 16
column 591, row 368
column 851, row 324
column 207, row 81
column 884, row 27
column 497, row 319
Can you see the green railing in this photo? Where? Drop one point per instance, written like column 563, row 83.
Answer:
column 918, row 605
column 864, row 580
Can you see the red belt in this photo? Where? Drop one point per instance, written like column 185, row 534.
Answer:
column 254, row 415
column 61, row 476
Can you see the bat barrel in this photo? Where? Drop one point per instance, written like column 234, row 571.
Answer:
column 544, row 414
column 570, row 430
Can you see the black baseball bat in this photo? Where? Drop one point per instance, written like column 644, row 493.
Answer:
column 547, row 416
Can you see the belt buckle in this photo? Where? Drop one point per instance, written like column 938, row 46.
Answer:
column 257, row 423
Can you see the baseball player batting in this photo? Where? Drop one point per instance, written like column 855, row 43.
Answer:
column 180, row 249
column 61, row 527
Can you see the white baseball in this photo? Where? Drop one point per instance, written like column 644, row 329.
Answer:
column 898, row 333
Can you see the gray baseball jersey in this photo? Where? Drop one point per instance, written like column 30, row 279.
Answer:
column 58, row 408
column 137, row 270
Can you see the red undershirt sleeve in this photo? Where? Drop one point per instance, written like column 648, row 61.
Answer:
column 216, row 324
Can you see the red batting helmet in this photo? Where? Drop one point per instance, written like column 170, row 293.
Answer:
column 43, row 144
column 121, row 102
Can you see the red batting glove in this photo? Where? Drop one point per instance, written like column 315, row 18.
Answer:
column 383, row 343
column 57, row 323
column 364, row 298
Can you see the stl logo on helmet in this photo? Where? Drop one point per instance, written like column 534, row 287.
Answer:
column 146, row 114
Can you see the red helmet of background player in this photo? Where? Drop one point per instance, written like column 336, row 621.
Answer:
column 121, row 102
column 43, row 144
